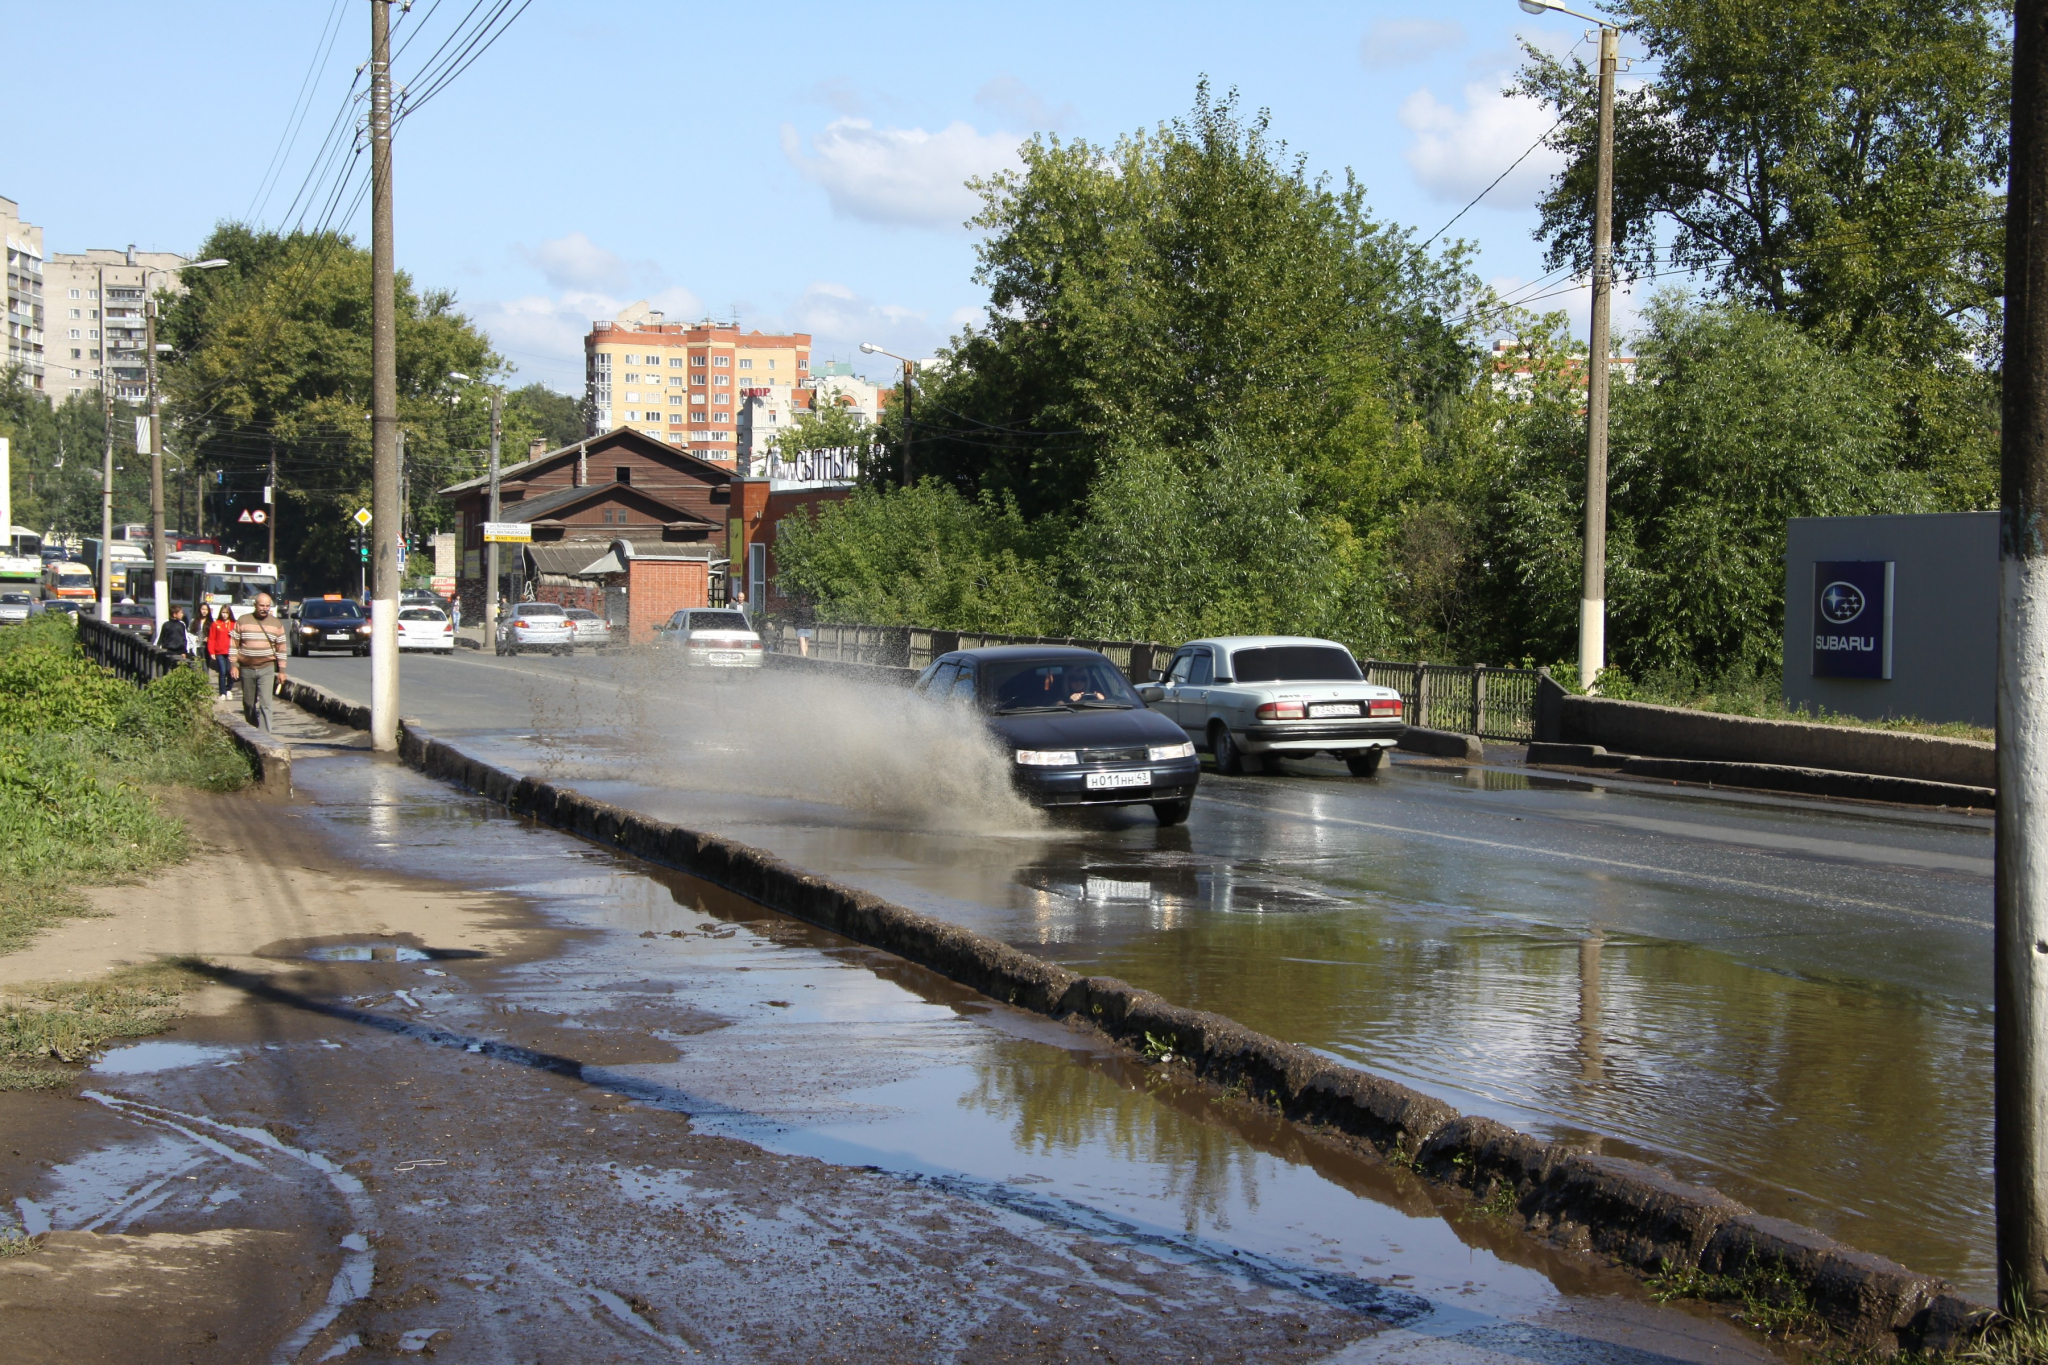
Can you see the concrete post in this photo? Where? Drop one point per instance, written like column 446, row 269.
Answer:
column 1593, row 595
column 384, row 513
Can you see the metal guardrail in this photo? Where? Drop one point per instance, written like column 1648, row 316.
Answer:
column 127, row 653
column 1474, row 699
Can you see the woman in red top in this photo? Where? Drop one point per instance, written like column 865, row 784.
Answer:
column 220, row 645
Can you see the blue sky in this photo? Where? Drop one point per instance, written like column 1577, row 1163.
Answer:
column 803, row 167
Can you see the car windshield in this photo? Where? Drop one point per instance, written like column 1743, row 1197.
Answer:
column 332, row 611
column 420, row 614
column 1054, row 685
column 1296, row 663
column 719, row 620
column 74, row 580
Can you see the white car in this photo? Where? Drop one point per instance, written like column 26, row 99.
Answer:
column 536, row 625
column 1242, row 697
column 425, row 628
column 16, row 606
column 711, row 637
column 591, row 629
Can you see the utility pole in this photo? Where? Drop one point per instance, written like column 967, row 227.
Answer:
column 270, row 510
column 909, row 468
column 1593, row 593
column 384, row 518
column 106, row 501
column 159, row 546
column 2020, row 955
column 491, row 546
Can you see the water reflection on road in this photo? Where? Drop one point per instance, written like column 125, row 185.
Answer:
column 1788, row 1001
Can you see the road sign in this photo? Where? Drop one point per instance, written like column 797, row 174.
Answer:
column 508, row 532
column 362, row 516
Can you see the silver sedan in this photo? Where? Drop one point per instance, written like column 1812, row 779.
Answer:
column 1243, row 697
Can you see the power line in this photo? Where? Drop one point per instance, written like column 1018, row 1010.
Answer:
column 1490, row 186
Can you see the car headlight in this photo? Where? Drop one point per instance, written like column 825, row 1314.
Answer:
column 1048, row 758
column 307, row 630
column 1159, row 753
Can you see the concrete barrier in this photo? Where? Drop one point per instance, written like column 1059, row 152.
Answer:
column 1442, row 744
column 1638, row 728
column 273, row 760
column 1638, row 1215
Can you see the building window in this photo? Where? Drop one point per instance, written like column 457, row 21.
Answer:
column 675, row 362
column 625, row 475
column 92, row 334
column 675, row 400
column 92, row 293
column 699, row 416
column 632, row 379
column 74, row 313
column 628, row 359
column 74, row 330
column 75, row 355
column 771, row 364
column 74, row 294
column 724, row 360
column 675, row 381
column 722, row 379
column 721, row 416
column 697, row 359
column 721, row 398
column 746, row 364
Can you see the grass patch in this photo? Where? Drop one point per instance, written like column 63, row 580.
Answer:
column 45, row 1027
column 80, row 752
column 17, row 1243
column 1766, row 1297
column 1739, row 694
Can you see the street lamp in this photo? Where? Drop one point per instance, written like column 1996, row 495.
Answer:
column 490, row 546
column 909, row 372
column 1593, row 593
column 158, row 545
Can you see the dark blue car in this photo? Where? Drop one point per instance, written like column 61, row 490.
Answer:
column 1076, row 731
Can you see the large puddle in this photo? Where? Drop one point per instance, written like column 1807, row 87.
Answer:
column 850, row 1055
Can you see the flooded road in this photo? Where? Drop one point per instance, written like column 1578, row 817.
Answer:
column 1787, row 1000
column 605, row 1150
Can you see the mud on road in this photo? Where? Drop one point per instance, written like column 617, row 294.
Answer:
column 545, row 1105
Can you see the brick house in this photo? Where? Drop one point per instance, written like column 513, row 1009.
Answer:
column 580, row 499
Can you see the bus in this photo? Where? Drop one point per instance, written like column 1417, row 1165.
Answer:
column 21, row 559
column 65, row 578
column 198, row 578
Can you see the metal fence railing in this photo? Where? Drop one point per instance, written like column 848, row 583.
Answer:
column 127, row 653
column 1469, row 699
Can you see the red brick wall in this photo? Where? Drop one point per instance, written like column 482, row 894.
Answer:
column 565, row 596
column 658, row 588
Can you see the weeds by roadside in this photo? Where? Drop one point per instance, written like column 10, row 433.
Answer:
column 79, row 749
column 1766, row 1296
column 17, row 1243
column 45, row 1026
column 2021, row 1339
column 1738, row 695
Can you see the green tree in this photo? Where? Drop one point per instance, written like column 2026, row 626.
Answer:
column 1181, row 286
column 56, row 455
column 829, row 427
column 272, row 353
column 539, row 411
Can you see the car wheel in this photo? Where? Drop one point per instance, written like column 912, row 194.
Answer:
column 1173, row 812
column 1231, row 761
column 1364, row 764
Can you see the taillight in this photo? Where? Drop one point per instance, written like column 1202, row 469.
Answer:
column 753, row 644
column 1389, row 706
column 1283, row 710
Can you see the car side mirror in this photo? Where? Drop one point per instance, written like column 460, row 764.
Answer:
column 1150, row 693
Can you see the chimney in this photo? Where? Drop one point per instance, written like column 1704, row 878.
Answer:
column 537, row 448
column 582, row 463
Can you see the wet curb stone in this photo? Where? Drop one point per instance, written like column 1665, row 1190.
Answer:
column 1636, row 1214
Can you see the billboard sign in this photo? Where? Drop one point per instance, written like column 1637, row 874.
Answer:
column 1852, row 618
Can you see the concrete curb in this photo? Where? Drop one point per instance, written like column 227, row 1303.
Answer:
column 1442, row 744
column 1824, row 782
column 273, row 760
column 1636, row 1214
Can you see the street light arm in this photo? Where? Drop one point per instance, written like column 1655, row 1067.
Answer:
column 1542, row 6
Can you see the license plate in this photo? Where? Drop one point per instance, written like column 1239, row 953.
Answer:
column 1319, row 710
column 1101, row 781
column 727, row 656
column 337, row 637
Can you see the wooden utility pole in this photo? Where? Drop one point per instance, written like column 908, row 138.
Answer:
column 909, row 466
column 384, row 517
column 491, row 546
column 2020, row 1144
column 1593, row 594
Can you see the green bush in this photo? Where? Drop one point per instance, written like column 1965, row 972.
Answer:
column 48, row 687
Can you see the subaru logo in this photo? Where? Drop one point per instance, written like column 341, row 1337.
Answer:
column 1841, row 603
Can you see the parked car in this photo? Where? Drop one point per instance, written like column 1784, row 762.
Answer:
column 536, row 625
column 711, row 637
column 330, row 623
column 591, row 629
column 137, row 618
column 16, row 606
column 1077, row 733
column 1242, row 697
column 425, row 628
column 63, row 606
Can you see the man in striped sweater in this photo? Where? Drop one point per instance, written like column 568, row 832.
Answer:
column 258, row 660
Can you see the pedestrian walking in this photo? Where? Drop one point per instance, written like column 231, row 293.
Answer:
column 202, row 626
column 220, row 644
column 258, row 661
column 172, row 635
column 455, row 612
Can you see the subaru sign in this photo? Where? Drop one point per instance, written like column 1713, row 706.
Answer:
column 1852, row 618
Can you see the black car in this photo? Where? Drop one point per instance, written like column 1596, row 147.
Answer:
column 330, row 623
column 1077, row 732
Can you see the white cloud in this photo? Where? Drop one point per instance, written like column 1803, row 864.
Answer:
column 1458, row 152
column 1401, row 42
column 964, row 317
column 575, row 262
column 900, row 175
column 542, row 334
column 1018, row 102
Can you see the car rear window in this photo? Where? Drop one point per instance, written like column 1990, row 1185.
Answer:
column 1296, row 663
column 581, row 614
column 421, row 614
column 719, row 620
column 540, row 609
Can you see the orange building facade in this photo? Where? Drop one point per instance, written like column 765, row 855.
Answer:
column 682, row 382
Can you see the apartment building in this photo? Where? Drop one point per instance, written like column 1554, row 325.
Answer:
column 767, row 412
column 681, row 382
column 94, row 331
column 24, row 294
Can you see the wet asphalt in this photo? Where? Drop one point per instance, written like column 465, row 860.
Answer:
column 1787, row 999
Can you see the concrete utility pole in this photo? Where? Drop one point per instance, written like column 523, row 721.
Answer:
column 106, row 565
column 270, row 505
column 2020, row 1143
column 491, row 546
column 384, row 517
column 159, row 545
column 909, row 374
